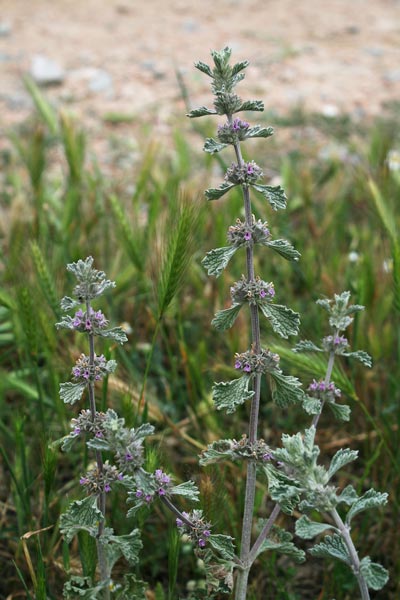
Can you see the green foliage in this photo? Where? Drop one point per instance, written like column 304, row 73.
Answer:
column 281, row 541
column 82, row 515
column 332, row 546
column 229, row 395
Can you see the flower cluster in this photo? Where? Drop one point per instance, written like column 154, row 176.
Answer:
column 84, row 371
column 337, row 343
column 230, row 133
column 250, row 362
column 131, row 458
column 323, row 391
column 198, row 531
column 84, row 423
column 257, row 450
column 82, row 321
column 97, row 482
column 241, row 233
column 256, row 291
column 244, row 174
column 162, row 484
column 226, row 103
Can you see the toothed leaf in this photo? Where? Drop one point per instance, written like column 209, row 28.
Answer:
column 239, row 67
column 212, row 146
column 332, row 547
column 274, row 194
column 340, row 459
column 230, row 394
column 348, row 495
column 128, row 546
column 216, row 260
column 284, row 321
column 360, row 355
column 187, row 489
column 71, row 392
column 259, row 132
column 341, row 411
column 215, row 193
column 116, row 333
column 371, row 499
column 256, row 105
column 201, row 112
column 285, row 389
column 307, row 529
column 312, row 406
column 306, row 346
column 224, row 319
column 285, row 249
column 280, row 541
column 203, row 68
column 374, row 574
column 223, row 544
column 81, row 515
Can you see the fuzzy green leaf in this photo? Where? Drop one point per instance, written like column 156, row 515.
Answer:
column 71, row 392
column 187, row 489
column 306, row 346
column 280, row 541
column 68, row 303
column 133, row 589
column 312, row 406
column 360, row 355
column 283, row 490
column 371, row 499
column 259, row 132
column 81, row 515
column 341, row 411
column 230, row 394
column 218, row 450
column 284, row 321
column 203, row 67
column 348, row 496
column 116, row 333
column 128, row 546
column 80, row 587
column 284, row 249
column 285, row 389
column 201, row 112
column 223, row 544
column 96, row 443
column 332, row 546
column 67, row 442
column 340, row 459
column 212, row 146
column 374, row 574
column 215, row 193
column 216, row 260
column 224, row 319
column 256, row 105
column 274, row 194
column 307, row 529
column 240, row 66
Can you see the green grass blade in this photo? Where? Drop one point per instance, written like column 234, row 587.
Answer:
column 45, row 280
column 45, row 110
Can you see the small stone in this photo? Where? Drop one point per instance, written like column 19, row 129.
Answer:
column 5, row 28
column 100, row 82
column 46, row 71
column 330, row 110
column 392, row 76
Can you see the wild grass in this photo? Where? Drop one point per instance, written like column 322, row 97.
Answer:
column 57, row 207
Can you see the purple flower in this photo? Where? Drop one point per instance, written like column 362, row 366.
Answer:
column 86, row 374
column 206, row 533
column 250, row 169
column 202, row 543
column 107, row 487
column 247, row 235
column 247, row 368
column 148, row 497
column 267, row 456
column 83, row 480
column 238, row 364
column 139, row 494
column 179, row 522
column 128, row 456
column 271, row 291
column 76, row 371
column 263, row 293
column 120, row 476
column 77, row 430
column 88, row 324
column 161, row 492
column 99, row 434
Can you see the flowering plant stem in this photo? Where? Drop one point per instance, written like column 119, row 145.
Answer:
column 101, row 500
column 241, row 585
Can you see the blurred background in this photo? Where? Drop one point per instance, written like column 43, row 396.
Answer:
column 97, row 157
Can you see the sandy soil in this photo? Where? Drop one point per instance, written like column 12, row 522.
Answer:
column 121, row 56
